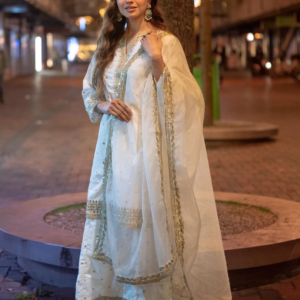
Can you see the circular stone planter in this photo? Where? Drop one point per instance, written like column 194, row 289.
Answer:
column 226, row 130
column 52, row 255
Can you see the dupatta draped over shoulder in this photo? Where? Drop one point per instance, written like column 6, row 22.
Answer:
column 152, row 230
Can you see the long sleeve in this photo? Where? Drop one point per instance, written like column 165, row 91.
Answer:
column 89, row 95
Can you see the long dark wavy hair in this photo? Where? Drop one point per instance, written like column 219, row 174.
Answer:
column 111, row 32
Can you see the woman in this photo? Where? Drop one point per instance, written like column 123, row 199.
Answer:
column 152, row 230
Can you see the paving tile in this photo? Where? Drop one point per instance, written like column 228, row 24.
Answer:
column 3, row 272
column 270, row 295
column 248, row 293
column 9, row 284
column 286, row 288
column 15, row 276
column 6, row 296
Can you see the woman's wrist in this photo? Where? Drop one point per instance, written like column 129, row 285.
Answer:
column 98, row 107
column 158, row 66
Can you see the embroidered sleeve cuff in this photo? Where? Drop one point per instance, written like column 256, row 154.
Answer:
column 90, row 104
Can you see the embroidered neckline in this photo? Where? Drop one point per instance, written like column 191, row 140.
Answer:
column 123, row 43
column 135, row 40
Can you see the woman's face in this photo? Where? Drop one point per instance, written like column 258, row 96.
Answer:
column 132, row 9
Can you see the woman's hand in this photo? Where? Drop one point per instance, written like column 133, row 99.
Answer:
column 116, row 108
column 152, row 45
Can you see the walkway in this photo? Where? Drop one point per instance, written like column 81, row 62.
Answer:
column 47, row 144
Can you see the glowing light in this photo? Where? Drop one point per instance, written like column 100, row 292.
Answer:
column 83, row 21
column 268, row 65
column 102, row 12
column 250, row 37
column 258, row 36
column 197, row 3
column 49, row 63
column 38, row 54
column 73, row 47
column 82, row 24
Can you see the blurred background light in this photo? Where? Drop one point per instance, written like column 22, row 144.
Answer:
column 268, row 65
column 49, row 63
column 82, row 24
column 15, row 9
column 83, row 21
column 38, row 54
column 197, row 3
column 250, row 37
column 258, row 36
column 102, row 12
column 73, row 48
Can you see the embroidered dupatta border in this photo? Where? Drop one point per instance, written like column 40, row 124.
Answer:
column 170, row 137
column 175, row 192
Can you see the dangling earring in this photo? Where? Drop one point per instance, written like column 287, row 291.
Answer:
column 148, row 13
column 119, row 17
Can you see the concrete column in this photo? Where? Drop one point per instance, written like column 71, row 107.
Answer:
column 2, row 35
column 271, row 45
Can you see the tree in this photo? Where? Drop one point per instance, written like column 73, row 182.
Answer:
column 179, row 16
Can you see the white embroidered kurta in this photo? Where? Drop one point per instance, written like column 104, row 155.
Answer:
column 152, row 231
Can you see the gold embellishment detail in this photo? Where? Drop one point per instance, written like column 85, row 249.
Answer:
column 158, row 135
column 170, row 136
column 164, row 272
column 91, row 102
column 93, row 209
column 162, row 33
column 102, row 257
column 129, row 217
column 103, row 213
column 175, row 193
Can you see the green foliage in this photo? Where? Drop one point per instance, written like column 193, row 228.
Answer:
column 66, row 208
column 34, row 296
column 243, row 204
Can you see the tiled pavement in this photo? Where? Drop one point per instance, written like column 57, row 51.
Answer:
column 47, row 144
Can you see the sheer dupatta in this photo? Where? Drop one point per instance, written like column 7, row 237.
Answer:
column 200, row 271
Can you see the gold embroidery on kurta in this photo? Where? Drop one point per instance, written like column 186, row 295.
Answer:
column 128, row 217
column 93, row 209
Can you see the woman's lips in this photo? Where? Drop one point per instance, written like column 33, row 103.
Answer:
column 131, row 9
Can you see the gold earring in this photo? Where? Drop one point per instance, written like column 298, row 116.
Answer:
column 148, row 13
column 119, row 17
